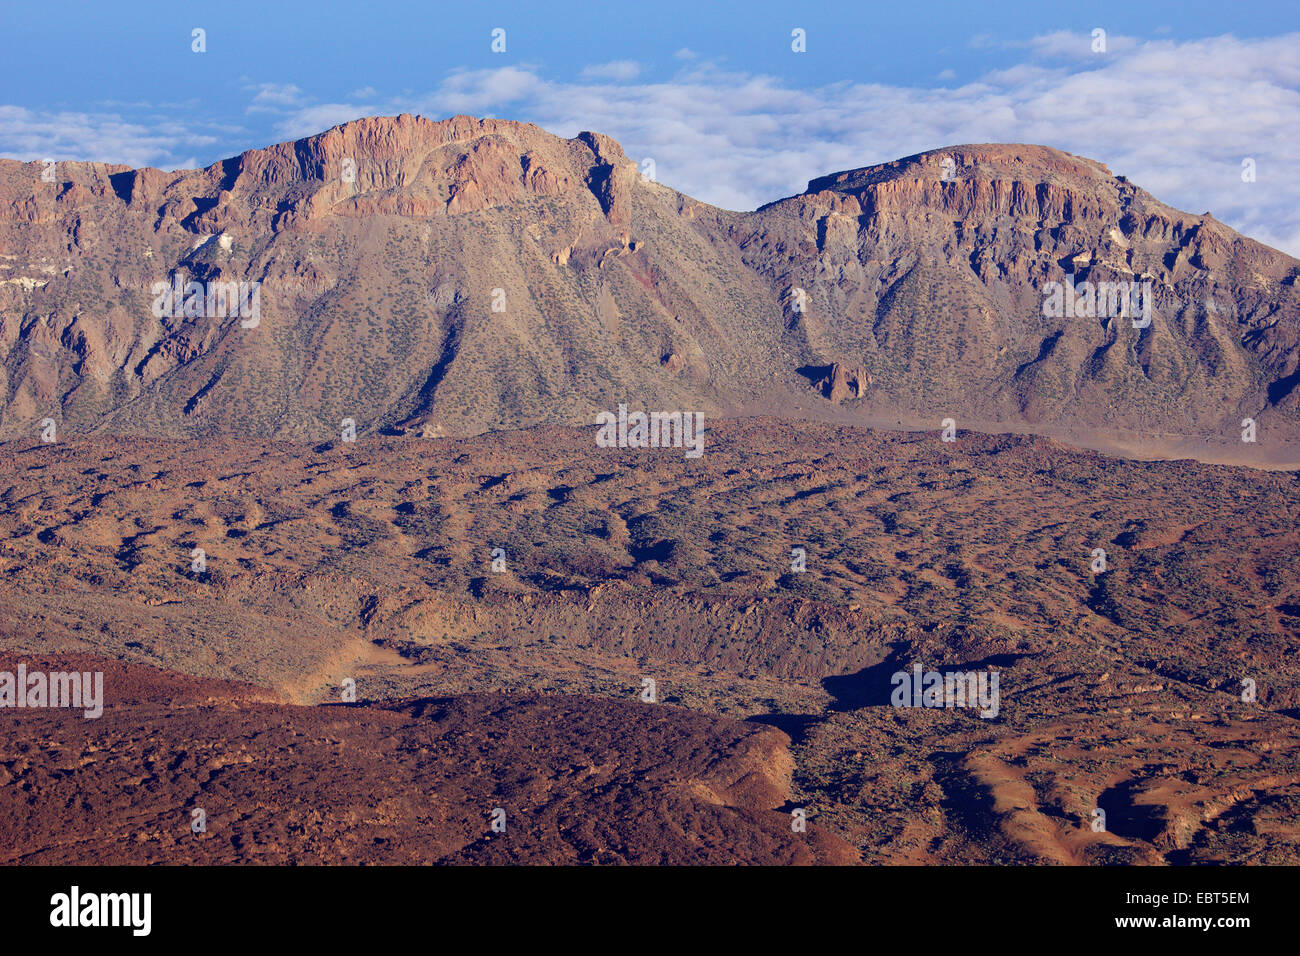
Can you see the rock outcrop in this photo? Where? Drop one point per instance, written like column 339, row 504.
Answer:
column 841, row 383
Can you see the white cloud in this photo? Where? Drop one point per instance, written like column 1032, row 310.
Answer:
column 1176, row 118
column 315, row 119
column 99, row 137
column 613, row 70
column 481, row 91
column 1064, row 45
column 271, row 96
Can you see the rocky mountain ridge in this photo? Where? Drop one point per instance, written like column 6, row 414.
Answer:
column 458, row 276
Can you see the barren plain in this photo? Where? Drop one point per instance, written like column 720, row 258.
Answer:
column 521, row 685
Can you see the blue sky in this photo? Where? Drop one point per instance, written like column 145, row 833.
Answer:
column 712, row 92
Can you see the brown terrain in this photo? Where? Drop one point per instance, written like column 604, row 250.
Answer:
column 373, row 561
column 581, row 780
column 180, row 509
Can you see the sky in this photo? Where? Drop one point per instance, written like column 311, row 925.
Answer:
column 1181, row 95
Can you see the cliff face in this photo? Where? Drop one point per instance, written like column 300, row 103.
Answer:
column 932, row 272
column 471, row 274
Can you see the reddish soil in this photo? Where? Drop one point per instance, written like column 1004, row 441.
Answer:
column 581, row 780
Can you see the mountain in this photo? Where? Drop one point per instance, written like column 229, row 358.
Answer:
column 458, row 276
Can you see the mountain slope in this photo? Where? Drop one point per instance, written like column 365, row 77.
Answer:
column 936, row 288
column 472, row 274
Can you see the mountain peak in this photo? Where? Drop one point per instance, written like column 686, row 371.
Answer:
column 1008, row 161
column 474, row 273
